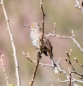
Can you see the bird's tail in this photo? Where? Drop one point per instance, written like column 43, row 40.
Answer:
column 54, row 64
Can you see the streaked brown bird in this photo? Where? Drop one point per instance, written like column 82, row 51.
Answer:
column 36, row 36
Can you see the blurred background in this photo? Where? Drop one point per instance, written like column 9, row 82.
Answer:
column 21, row 12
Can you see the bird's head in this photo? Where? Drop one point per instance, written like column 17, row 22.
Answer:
column 35, row 26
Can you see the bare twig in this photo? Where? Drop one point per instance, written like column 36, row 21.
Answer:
column 68, row 58
column 42, row 64
column 73, row 80
column 72, row 67
column 78, row 62
column 38, row 54
column 54, row 28
column 67, row 37
column 49, row 65
column 70, row 80
column 12, row 43
column 73, row 35
column 43, row 14
column 35, row 69
column 4, row 71
column 65, row 81
column 69, row 61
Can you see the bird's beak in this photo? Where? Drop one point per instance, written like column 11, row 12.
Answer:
column 27, row 26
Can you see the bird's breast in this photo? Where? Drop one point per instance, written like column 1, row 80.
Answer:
column 35, row 39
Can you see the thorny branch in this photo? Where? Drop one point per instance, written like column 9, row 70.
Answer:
column 12, row 43
column 4, row 71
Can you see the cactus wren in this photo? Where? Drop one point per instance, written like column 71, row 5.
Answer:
column 36, row 36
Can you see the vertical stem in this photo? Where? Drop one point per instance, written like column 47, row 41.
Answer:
column 35, row 69
column 4, row 71
column 12, row 43
column 70, row 80
column 43, row 16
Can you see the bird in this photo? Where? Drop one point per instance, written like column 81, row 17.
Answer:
column 47, row 48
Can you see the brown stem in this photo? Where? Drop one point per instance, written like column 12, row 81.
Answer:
column 4, row 71
column 70, row 80
column 35, row 69
column 13, row 45
column 43, row 14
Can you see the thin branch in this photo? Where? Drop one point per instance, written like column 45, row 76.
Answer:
column 69, row 63
column 78, row 45
column 78, row 62
column 73, row 80
column 54, row 28
column 42, row 64
column 35, row 69
column 38, row 53
column 79, row 75
column 43, row 16
column 12, row 43
column 4, row 71
column 70, row 80
column 65, row 81
column 68, row 59
column 29, row 58
column 67, row 37
column 76, row 80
